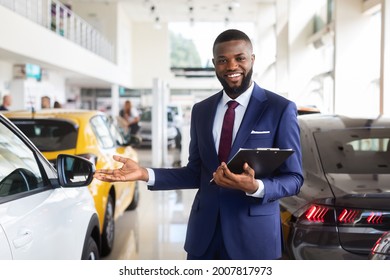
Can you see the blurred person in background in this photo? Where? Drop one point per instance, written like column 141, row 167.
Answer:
column 45, row 102
column 57, row 104
column 131, row 117
column 6, row 103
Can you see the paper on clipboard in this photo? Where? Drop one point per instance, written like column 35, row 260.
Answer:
column 263, row 160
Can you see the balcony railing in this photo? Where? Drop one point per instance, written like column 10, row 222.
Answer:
column 60, row 19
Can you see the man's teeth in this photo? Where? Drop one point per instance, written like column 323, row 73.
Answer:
column 233, row 75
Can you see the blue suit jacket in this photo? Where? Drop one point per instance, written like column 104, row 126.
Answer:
column 251, row 226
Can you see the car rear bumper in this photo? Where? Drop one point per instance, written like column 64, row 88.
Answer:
column 318, row 243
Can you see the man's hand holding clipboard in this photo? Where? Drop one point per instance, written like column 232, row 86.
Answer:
column 264, row 161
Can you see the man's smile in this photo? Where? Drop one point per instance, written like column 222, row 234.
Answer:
column 233, row 77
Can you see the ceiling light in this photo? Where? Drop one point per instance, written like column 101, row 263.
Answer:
column 146, row 3
column 157, row 24
column 235, row 4
column 227, row 21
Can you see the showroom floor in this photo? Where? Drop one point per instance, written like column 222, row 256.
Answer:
column 156, row 229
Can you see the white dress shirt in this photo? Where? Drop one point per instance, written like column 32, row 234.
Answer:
column 243, row 101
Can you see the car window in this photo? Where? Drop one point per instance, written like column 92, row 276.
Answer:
column 49, row 135
column 100, row 127
column 363, row 151
column 146, row 116
column 19, row 170
column 170, row 116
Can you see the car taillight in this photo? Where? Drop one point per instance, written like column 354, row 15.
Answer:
column 91, row 157
column 326, row 215
column 348, row 216
column 317, row 213
column 376, row 245
column 366, row 218
column 382, row 247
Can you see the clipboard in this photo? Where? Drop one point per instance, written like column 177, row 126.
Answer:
column 264, row 161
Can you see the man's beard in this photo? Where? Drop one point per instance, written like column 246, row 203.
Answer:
column 237, row 91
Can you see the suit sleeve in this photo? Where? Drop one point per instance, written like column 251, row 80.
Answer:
column 289, row 179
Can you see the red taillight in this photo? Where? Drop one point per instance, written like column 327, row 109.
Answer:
column 377, row 243
column 316, row 213
column 375, row 218
column 326, row 215
column 348, row 216
column 360, row 217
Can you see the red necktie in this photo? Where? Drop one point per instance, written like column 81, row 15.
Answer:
column 225, row 141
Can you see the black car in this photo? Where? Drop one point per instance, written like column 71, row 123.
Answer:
column 381, row 248
column 344, row 204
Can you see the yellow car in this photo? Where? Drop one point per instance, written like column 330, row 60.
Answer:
column 92, row 135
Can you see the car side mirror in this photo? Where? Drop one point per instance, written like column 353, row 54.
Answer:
column 74, row 171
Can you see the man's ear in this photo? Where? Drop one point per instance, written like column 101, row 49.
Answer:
column 213, row 61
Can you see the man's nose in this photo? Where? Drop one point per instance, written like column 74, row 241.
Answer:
column 231, row 64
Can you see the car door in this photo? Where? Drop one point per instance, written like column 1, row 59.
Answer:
column 34, row 219
column 5, row 250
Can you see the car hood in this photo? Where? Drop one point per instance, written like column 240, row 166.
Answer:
column 371, row 191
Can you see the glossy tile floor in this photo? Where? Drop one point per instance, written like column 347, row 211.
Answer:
column 156, row 229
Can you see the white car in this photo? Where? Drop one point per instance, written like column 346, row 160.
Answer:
column 173, row 132
column 44, row 213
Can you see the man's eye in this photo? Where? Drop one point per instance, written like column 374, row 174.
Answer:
column 240, row 58
column 222, row 61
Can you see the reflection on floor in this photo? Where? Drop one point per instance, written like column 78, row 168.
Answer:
column 156, row 229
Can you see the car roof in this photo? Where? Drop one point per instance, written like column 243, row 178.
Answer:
column 74, row 115
column 324, row 122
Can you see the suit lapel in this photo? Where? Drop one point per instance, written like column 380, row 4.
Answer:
column 209, row 116
column 256, row 106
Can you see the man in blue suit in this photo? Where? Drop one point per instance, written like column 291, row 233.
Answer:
column 236, row 216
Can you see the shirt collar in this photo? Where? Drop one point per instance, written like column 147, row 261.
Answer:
column 243, row 99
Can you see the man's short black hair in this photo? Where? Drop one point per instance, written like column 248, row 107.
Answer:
column 230, row 35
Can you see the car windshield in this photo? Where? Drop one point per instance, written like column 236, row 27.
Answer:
column 355, row 151
column 19, row 170
column 49, row 135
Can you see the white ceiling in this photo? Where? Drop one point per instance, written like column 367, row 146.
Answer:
column 184, row 10
column 171, row 11
column 179, row 11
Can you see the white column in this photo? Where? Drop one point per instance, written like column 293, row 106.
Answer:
column 384, row 106
column 282, row 47
column 264, row 44
column 115, row 101
column 159, row 124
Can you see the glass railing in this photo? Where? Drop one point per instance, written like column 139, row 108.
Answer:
column 60, row 19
